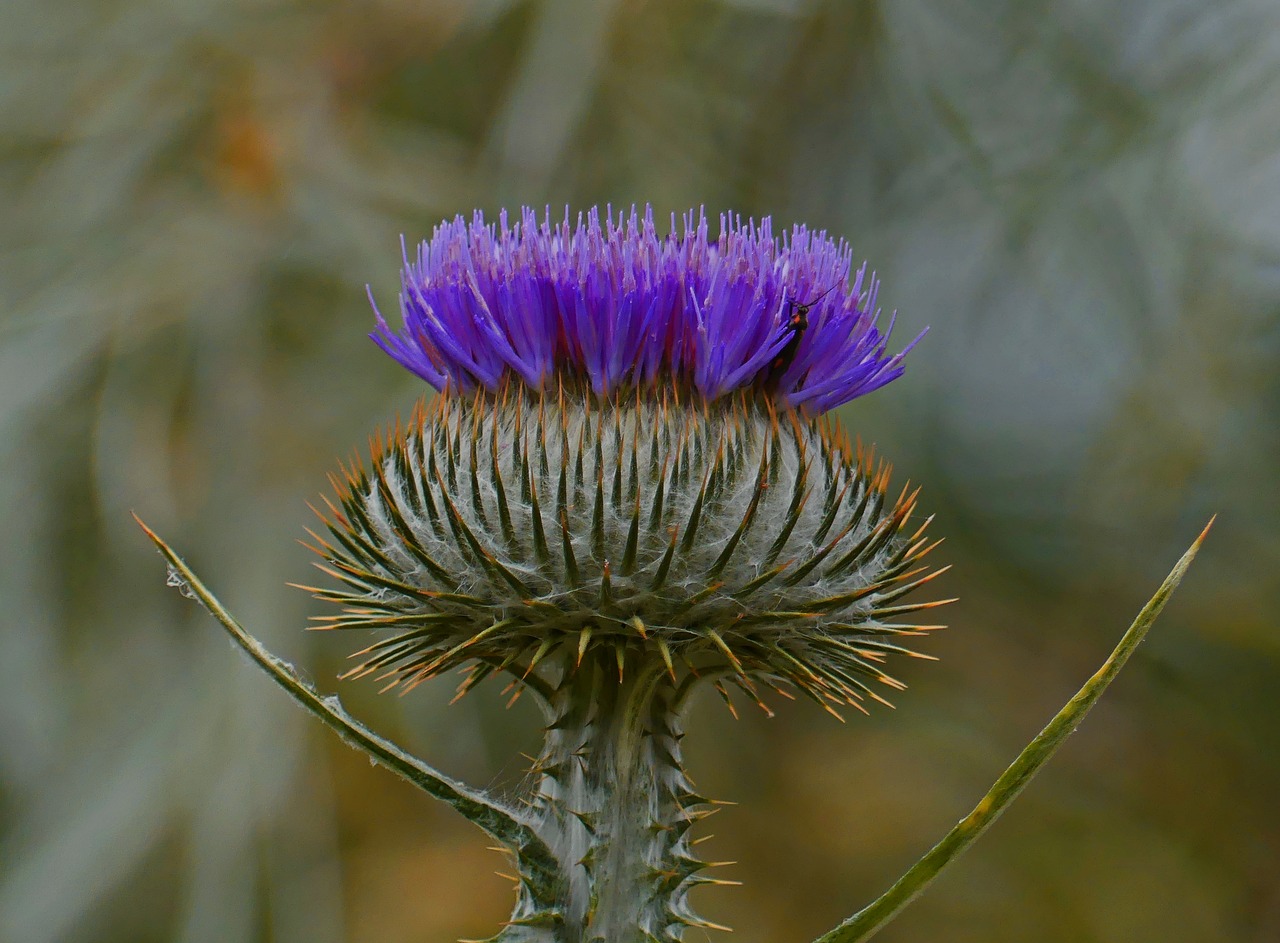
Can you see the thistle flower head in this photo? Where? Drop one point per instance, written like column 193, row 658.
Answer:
column 627, row 465
column 610, row 300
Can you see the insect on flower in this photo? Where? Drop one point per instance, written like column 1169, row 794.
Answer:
column 798, row 322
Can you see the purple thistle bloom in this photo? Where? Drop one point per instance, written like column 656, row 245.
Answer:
column 614, row 302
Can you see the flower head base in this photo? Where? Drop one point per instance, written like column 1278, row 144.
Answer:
column 722, row 541
column 612, row 301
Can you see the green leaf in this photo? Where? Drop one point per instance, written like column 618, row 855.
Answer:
column 868, row 921
column 496, row 819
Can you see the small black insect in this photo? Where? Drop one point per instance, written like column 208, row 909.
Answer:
column 798, row 321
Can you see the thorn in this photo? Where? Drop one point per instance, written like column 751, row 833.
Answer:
column 728, row 652
column 708, row 925
column 666, row 657
column 725, row 695
column 1199, row 540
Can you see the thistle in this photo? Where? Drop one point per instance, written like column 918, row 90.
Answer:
column 627, row 488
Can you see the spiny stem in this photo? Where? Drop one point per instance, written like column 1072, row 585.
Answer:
column 617, row 804
column 868, row 921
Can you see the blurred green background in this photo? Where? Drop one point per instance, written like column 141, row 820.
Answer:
column 1083, row 200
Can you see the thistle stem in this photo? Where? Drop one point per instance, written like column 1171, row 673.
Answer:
column 616, row 804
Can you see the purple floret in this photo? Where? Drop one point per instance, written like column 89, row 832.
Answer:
column 612, row 301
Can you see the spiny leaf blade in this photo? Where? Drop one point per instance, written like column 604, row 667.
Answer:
column 872, row 918
column 495, row 819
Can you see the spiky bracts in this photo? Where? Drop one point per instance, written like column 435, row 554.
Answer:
column 611, row 301
column 724, row 541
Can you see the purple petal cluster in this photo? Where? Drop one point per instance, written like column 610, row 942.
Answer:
column 609, row 299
